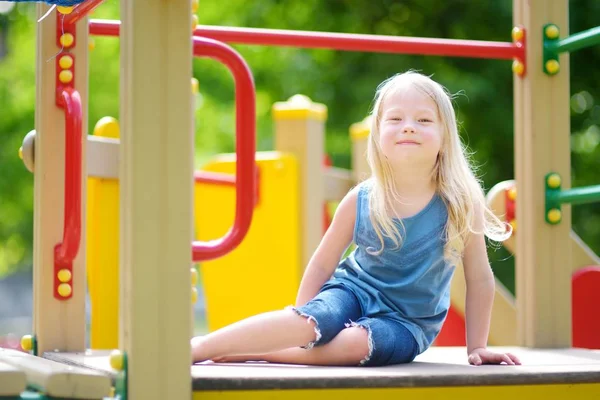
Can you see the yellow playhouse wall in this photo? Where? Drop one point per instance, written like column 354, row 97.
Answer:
column 264, row 271
column 102, row 247
column 513, row 392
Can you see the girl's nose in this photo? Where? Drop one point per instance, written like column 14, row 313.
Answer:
column 408, row 128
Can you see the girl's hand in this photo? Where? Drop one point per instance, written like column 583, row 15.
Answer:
column 482, row 356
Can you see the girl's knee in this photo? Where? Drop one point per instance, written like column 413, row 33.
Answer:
column 357, row 341
column 309, row 324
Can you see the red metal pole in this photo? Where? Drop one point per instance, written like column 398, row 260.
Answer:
column 214, row 178
column 81, row 11
column 345, row 41
column 245, row 133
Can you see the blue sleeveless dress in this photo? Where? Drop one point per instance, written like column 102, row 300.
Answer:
column 407, row 288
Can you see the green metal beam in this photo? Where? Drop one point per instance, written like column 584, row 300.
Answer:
column 553, row 45
column 555, row 197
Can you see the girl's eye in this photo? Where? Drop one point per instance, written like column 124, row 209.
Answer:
column 425, row 120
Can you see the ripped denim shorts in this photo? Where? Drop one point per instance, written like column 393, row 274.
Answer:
column 336, row 308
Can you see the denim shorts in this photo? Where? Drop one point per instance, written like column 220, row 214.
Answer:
column 336, row 307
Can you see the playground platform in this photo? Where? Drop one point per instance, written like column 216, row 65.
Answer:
column 553, row 373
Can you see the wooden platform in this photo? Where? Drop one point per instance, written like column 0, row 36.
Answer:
column 438, row 367
column 49, row 377
column 12, row 380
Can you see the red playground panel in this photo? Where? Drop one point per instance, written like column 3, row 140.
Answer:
column 586, row 308
column 585, row 317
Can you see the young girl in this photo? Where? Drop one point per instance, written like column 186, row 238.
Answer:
column 421, row 213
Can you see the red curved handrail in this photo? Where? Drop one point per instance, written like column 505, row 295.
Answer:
column 245, row 134
column 66, row 251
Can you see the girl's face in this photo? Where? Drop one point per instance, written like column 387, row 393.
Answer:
column 410, row 129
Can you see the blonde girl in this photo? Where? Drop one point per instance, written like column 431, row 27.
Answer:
column 421, row 213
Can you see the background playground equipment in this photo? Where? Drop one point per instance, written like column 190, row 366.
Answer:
column 154, row 248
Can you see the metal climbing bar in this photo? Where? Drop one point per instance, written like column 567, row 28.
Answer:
column 555, row 197
column 576, row 41
column 81, row 11
column 345, row 41
column 363, row 42
column 581, row 195
column 553, row 45
column 66, row 251
column 245, row 148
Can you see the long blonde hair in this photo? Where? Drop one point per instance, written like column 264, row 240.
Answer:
column 453, row 175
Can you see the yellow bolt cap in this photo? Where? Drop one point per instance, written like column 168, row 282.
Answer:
column 65, row 76
column 21, row 152
column 67, row 40
column 554, row 181
column 65, row 62
column 116, row 360
column 513, row 223
column 194, row 22
column 517, row 34
column 27, row 342
column 512, row 193
column 194, row 273
column 518, row 67
column 554, row 215
column 65, row 9
column 551, row 31
column 65, row 290
column 552, row 66
column 64, row 275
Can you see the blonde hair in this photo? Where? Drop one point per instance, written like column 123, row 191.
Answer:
column 453, row 175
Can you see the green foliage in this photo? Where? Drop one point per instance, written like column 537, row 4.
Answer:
column 17, row 102
column 344, row 81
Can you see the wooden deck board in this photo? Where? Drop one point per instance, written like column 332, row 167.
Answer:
column 439, row 366
column 12, row 380
column 57, row 379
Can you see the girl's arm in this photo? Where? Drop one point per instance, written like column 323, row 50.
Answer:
column 330, row 250
column 479, row 300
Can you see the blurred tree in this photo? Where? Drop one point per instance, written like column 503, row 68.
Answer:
column 344, row 81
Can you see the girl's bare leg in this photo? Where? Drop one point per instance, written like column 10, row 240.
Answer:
column 263, row 333
column 349, row 347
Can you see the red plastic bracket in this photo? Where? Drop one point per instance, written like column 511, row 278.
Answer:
column 68, row 99
column 66, row 251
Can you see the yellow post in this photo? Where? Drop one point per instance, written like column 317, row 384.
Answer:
column 543, row 254
column 156, row 172
column 359, row 133
column 103, row 249
column 299, row 129
column 58, row 324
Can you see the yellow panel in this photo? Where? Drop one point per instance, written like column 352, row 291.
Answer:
column 262, row 274
column 103, row 261
column 102, row 247
column 533, row 392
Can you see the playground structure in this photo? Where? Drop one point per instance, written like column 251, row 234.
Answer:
column 156, row 213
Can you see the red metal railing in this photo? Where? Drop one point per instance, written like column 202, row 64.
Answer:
column 66, row 251
column 81, row 11
column 223, row 179
column 245, row 132
column 345, row 41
